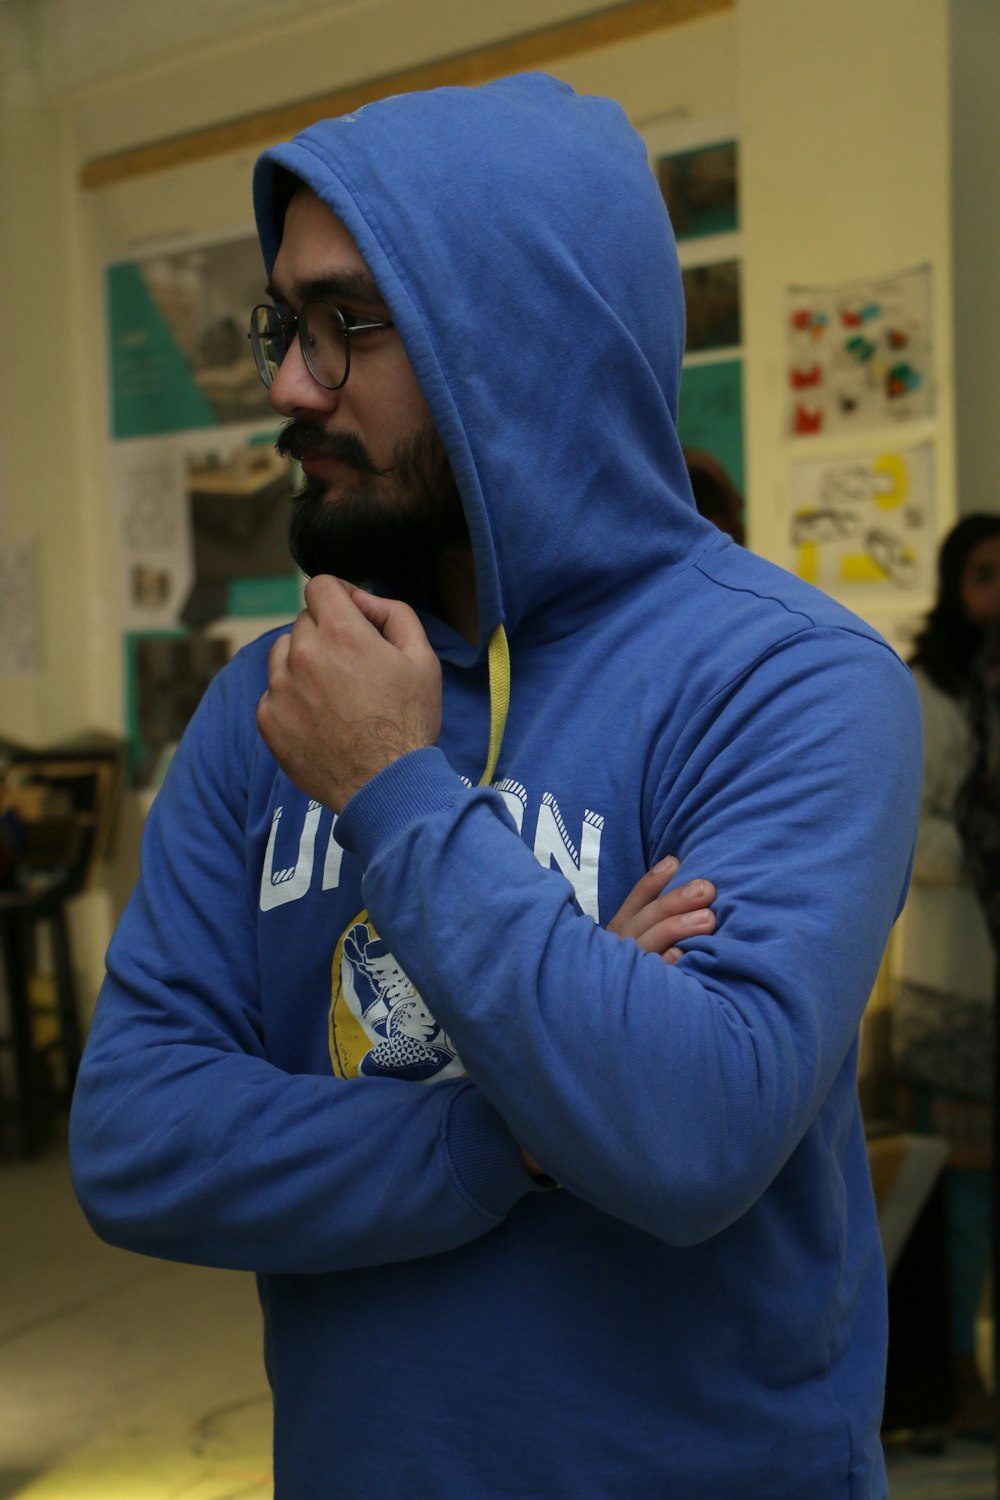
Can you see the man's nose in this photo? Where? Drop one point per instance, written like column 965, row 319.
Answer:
column 294, row 390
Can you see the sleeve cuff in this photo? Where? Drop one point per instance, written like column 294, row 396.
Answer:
column 484, row 1155
column 409, row 789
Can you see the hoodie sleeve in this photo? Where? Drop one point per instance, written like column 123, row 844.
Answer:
column 186, row 1141
column 671, row 1097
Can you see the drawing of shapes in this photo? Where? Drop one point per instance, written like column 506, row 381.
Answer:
column 859, row 567
column 808, row 567
column 892, row 481
column 896, row 559
column 807, row 418
column 865, row 520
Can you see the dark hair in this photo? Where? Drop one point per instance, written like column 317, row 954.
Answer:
column 948, row 643
column 715, row 495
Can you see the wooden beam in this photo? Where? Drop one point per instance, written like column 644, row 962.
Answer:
column 517, row 54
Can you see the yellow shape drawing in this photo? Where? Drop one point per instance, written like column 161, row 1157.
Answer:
column 858, row 567
column 809, row 562
column 893, row 467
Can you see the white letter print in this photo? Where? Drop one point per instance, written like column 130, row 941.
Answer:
column 553, row 845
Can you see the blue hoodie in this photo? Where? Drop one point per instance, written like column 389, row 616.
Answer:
column 320, row 1039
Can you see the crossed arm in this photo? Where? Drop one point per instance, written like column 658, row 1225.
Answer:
column 356, row 685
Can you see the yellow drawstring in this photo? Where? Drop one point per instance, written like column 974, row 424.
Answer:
column 499, row 671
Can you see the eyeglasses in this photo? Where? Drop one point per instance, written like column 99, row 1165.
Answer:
column 324, row 336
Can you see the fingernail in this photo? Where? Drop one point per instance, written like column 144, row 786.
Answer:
column 695, row 889
column 666, row 866
column 695, row 918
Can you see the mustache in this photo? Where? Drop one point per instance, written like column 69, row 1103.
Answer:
column 297, row 438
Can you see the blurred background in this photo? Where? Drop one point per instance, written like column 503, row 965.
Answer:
column 828, row 165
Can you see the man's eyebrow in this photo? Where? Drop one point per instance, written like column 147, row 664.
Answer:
column 350, row 286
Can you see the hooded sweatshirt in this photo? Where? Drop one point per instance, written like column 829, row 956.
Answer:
column 321, row 1040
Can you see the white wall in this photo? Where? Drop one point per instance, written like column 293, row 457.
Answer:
column 844, row 113
column 975, row 151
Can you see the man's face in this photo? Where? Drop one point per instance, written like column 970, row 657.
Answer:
column 379, row 491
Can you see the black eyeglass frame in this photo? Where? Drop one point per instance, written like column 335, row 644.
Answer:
column 289, row 327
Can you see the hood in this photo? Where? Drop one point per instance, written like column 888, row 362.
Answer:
column 522, row 245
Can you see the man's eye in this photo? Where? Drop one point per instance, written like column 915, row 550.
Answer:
column 352, row 319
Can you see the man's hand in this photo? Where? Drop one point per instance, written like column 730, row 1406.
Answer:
column 657, row 923
column 353, row 687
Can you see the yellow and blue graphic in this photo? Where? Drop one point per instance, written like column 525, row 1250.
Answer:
column 379, row 1024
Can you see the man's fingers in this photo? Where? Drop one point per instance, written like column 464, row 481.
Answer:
column 277, row 657
column 395, row 621
column 684, row 901
column 329, row 599
column 641, row 894
column 661, row 937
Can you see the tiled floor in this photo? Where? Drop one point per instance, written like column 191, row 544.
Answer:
column 130, row 1379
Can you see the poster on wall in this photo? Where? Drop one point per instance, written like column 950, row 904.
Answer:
column 859, row 356
column 203, row 499
column 179, row 352
column 700, row 188
column 204, row 566
column 865, row 521
column 710, row 417
column 712, row 307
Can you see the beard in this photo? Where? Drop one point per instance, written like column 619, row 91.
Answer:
column 383, row 521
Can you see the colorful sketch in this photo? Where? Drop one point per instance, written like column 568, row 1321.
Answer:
column 859, row 356
column 865, row 521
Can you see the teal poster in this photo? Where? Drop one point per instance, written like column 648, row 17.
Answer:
column 179, row 354
column 711, row 413
column 203, row 498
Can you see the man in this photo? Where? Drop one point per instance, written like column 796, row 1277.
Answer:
column 534, row 1213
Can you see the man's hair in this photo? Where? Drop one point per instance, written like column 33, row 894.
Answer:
column 286, row 185
column 947, row 646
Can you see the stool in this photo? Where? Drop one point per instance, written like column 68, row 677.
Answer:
column 43, row 1074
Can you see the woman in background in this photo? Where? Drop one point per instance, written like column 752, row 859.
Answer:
column 943, row 1012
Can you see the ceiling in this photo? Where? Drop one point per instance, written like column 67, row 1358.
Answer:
column 48, row 47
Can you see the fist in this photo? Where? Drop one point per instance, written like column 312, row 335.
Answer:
column 354, row 686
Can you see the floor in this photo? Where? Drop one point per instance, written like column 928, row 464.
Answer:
column 123, row 1378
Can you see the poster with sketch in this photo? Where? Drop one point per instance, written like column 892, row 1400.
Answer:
column 859, row 356
column 203, row 499
column 204, row 528
column 865, row 521
column 205, row 566
column 179, row 352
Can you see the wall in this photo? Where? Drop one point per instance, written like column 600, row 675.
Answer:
column 975, row 149
column 858, row 185
column 843, row 110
